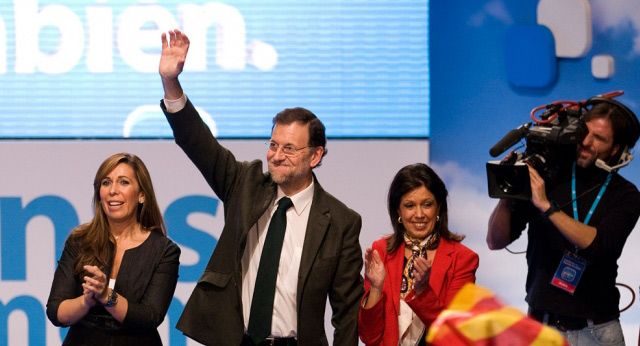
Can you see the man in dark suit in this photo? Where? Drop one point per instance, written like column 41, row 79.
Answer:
column 320, row 254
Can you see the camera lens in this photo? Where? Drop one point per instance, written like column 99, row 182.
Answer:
column 508, row 180
column 513, row 180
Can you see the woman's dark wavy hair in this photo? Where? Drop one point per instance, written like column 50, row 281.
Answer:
column 94, row 239
column 408, row 179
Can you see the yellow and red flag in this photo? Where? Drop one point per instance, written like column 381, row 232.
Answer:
column 476, row 317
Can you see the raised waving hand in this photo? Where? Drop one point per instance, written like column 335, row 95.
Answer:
column 174, row 54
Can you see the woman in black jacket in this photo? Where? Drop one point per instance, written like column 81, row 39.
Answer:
column 117, row 274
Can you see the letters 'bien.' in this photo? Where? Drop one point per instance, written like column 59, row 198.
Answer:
column 99, row 31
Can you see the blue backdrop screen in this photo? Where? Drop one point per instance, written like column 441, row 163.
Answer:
column 89, row 68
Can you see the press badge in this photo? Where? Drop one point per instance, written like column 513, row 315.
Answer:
column 569, row 272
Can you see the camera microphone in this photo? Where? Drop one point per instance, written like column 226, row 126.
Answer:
column 513, row 137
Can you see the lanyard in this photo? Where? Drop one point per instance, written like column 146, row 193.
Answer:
column 595, row 203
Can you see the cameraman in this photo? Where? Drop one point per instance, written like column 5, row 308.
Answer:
column 576, row 235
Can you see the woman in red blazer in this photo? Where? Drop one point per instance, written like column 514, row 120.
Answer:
column 413, row 274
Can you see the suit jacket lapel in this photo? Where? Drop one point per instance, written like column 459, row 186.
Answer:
column 317, row 225
column 260, row 205
column 441, row 264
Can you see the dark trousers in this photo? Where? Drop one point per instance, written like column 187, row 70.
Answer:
column 246, row 341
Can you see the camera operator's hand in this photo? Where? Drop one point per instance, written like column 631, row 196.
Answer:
column 511, row 156
column 538, row 190
column 576, row 232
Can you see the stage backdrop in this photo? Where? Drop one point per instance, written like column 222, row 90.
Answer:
column 46, row 189
column 88, row 69
column 79, row 68
column 476, row 97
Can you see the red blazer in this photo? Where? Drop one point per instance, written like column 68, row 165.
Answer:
column 453, row 266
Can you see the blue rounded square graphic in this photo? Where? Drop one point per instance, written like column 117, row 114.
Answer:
column 530, row 56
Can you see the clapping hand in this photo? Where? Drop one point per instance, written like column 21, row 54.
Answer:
column 421, row 273
column 95, row 286
column 374, row 269
column 88, row 297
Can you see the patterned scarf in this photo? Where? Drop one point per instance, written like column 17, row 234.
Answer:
column 418, row 247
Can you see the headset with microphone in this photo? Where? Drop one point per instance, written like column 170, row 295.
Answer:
column 624, row 156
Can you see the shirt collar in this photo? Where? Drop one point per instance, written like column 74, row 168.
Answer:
column 301, row 200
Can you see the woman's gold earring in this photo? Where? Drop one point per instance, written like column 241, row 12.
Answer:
column 399, row 219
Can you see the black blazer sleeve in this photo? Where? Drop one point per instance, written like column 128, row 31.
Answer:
column 65, row 284
column 148, row 312
column 217, row 164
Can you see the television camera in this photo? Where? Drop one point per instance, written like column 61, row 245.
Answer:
column 551, row 146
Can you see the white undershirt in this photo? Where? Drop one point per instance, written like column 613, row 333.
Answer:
column 285, row 317
column 409, row 325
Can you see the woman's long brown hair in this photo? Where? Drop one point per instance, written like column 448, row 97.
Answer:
column 94, row 239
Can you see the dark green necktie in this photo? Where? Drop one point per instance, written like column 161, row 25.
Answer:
column 265, row 289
